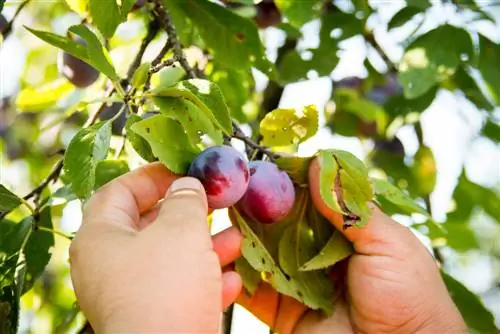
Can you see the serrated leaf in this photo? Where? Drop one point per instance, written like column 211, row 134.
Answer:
column 139, row 144
column 296, row 167
column 168, row 141
column 194, row 121
column 140, row 75
column 88, row 147
column 234, row 40
column 299, row 12
column 8, row 200
column 396, row 196
column 488, row 65
column 432, row 58
column 476, row 315
column 336, row 249
column 42, row 97
column 206, row 96
column 403, row 16
column 107, row 14
column 424, row 171
column 250, row 277
column 283, row 127
column 108, row 170
column 37, row 251
column 93, row 53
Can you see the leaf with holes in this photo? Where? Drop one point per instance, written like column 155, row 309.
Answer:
column 139, row 144
column 336, row 249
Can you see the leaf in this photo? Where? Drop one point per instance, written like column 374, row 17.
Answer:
column 471, row 89
column 78, row 6
column 401, row 106
column 457, row 234
column 8, row 200
column 206, row 96
column 283, row 127
column 108, row 170
column 336, row 249
column 296, row 167
column 488, row 65
column 403, row 16
column 139, row 144
column 250, row 277
column 194, row 121
column 167, row 77
column 234, row 40
column 93, row 53
column 43, row 97
column 168, row 141
column 476, row 315
column 107, row 15
column 37, row 251
column 424, row 171
column 396, row 196
column 432, row 58
column 293, row 68
column 140, row 75
column 422, row 4
column 329, row 169
column 299, row 12
column 88, row 147
column 492, row 131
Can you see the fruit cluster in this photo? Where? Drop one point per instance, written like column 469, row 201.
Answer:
column 258, row 189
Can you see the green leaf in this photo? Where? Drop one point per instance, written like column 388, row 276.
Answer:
column 432, row 58
column 336, row 249
column 93, row 53
column 168, row 141
column 78, row 6
column 43, row 97
column 401, row 106
column 492, row 131
column 12, row 241
column 396, row 196
column 488, row 65
column 37, row 251
column 296, row 167
column 8, row 200
column 471, row 89
column 140, row 75
column 107, row 15
column 167, row 77
column 476, row 315
column 458, row 235
column 139, row 144
column 424, row 171
column 329, row 170
column 299, row 12
column 206, row 96
column 250, row 277
column 234, row 40
column 403, row 16
column 293, row 68
column 422, row 4
column 194, row 121
column 88, row 147
column 108, row 170
column 283, row 127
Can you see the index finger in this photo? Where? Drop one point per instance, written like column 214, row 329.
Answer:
column 123, row 200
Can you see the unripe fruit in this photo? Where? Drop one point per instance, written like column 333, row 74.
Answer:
column 110, row 112
column 270, row 195
column 224, row 174
column 78, row 72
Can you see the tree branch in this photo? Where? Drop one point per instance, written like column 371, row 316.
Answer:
column 8, row 29
column 153, row 29
column 370, row 39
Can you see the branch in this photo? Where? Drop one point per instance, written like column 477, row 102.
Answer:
column 8, row 29
column 370, row 39
column 153, row 29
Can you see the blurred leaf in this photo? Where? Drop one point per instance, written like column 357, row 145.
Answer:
column 403, row 16
column 289, row 30
column 488, row 65
column 140, row 75
column 296, row 167
column 139, row 144
column 299, row 12
column 283, row 127
column 205, row 95
column 78, row 6
column 37, row 251
column 337, row 26
column 422, row 4
column 476, row 315
column 293, row 68
column 401, row 106
column 93, row 53
column 250, row 277
column 471, row 89
column 432, row 58
column 234, row 40
column 396, row 196
column 167, row 77
column 168, row 141
column 492, row 131
column 43, row 97
column 424, row 170
column 194, row 121
column 12, row 241
column 108, row 170
column 458, row 235
column 336, row 249
column 107, row 14
column 8, row 200
column 88, row 147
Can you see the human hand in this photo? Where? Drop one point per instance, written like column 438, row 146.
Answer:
column 392, row 285
column 141, row 266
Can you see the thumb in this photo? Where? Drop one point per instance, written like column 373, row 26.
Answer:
column 183, row 213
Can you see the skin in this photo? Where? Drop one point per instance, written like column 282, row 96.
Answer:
column 141, row 266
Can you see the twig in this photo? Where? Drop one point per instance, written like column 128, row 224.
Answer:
column 153, row 29
column 248, row 141
column 227, row 320
column 8, row 29
column 370, row 39
column 52, row 177
column 162, row 53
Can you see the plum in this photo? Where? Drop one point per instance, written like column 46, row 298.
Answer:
column 224, row 174
column 3, row 24
column 270, row 195
column 267, row 14
column 110, row 112
column 78, row 72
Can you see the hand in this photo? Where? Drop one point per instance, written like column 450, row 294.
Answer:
column 141, row 266
column 393, row 285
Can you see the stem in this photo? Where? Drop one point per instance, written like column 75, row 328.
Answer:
column 121, row 148
column 59, row 233
column 227, row 320
column 272, row 155
column 52, row 177
column 153, row 29
column 6, row 32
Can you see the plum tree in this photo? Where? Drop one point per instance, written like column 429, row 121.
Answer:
column 270, row 195
column 78, row 72
column 110, row 112
column 267, row 14
column 224, row 174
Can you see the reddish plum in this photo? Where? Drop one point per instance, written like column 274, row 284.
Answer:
column 224, row 174
column 270, row 194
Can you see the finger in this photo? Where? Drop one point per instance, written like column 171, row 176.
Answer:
column 124, row 199
column 227, row 245
column 231, row 288
column 380, row 228
column 150, row 216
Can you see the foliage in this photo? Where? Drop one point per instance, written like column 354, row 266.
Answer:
column 198, row 89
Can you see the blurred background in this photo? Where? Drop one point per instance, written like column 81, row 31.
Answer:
column 442, row 144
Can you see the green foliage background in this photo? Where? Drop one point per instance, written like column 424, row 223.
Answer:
column 243, row 73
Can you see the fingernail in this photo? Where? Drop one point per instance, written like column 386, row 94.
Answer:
column 185, row 183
